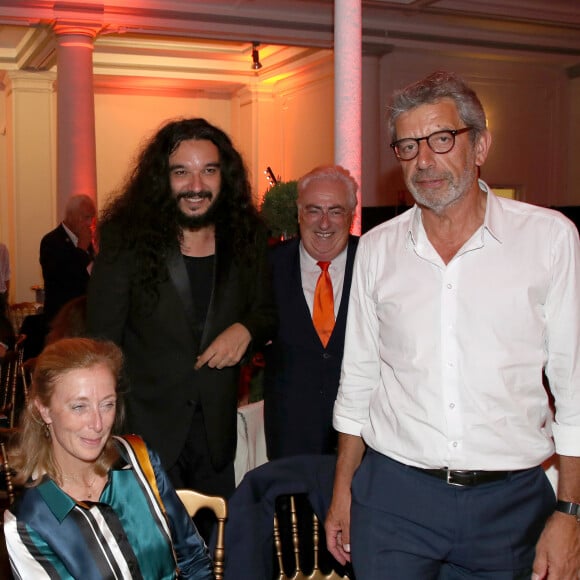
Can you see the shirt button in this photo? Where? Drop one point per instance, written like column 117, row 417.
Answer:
column 452, row 405
column 455, row 444
column 326, row 355
column 449, row 286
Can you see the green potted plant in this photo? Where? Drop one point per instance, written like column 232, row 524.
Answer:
column 279, row 210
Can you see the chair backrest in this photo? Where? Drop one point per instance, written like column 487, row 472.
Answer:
column 19, row 311
column 7, row 473
column 195, row 501
column 14, row 381
column 298, row 573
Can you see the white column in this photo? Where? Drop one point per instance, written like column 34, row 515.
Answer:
column 76, row 150
column 347, row 91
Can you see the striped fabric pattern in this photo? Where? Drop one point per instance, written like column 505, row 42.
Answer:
column 55, row 537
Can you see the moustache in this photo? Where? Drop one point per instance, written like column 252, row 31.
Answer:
column 195, row 195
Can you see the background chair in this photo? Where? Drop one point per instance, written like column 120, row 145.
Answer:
column 14, row 381
column 7, row 496
column 195, row 501
column 19, row 311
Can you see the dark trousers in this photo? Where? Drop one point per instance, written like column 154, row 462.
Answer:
column 407, row 525
column 4, row 306
column 194, row 470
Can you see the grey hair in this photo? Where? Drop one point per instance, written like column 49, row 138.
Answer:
column 332, row 172
column 436, row 86
column 75, row 202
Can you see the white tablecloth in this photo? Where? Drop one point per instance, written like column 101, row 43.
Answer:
column 251, row 450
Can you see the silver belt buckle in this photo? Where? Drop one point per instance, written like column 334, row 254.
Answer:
column 450, row 478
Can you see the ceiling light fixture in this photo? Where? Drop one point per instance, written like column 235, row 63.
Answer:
column 256, row 64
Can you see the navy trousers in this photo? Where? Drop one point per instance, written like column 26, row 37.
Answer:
column 408, row 525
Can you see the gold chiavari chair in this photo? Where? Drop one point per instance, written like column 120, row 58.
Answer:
column 14, row 381
column 195, row 501
column 298, row 573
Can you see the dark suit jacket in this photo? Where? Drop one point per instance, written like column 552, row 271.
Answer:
column 248, row 534
column 64, row 269
column 160, row 345
column 301, row 376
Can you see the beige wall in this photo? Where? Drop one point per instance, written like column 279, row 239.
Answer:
column 306, row 110
column 572, row 143
column 125, row 121
column 528, row 108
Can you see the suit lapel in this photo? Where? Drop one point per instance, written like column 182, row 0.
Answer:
column 342, row 309
column 180, row 280
column 221, row 286
column 298, row 291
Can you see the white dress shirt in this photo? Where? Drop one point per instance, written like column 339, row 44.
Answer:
column 310, row 272
column 443, row 363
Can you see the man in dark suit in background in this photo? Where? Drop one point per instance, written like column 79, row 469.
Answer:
column 66, row 255
column 182, row 284
column 302, row 366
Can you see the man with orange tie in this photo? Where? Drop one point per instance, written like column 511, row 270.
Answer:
column 311, row 278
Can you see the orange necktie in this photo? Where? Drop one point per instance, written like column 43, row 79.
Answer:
column 323, row 309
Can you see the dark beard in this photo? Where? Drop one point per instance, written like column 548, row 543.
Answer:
column 198, row 222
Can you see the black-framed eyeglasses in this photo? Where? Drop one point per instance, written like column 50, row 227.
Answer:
column 439, row 142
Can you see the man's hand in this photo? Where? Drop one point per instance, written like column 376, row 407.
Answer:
column 84, row 234
column 558, row 549
column 227, row 349
column 337, row 527
column 351, row 449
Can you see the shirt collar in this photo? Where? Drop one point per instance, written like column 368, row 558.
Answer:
column 71, row 234
column 59, row 503
column 492, row 222
column 310, row 263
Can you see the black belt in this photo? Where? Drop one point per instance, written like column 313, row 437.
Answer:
column 465, row 478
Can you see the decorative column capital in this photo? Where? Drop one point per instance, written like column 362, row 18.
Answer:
column 62, row 27
column 72, row 18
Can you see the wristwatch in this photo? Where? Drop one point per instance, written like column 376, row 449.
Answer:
column 568, row 507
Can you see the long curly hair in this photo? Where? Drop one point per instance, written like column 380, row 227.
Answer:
column 31, row 453
column 143, row 218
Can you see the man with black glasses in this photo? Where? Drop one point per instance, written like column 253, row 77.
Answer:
column 456, row 308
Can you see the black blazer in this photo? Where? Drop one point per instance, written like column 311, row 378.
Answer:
column 160, row 346
column 301, row 376
column 64, row 269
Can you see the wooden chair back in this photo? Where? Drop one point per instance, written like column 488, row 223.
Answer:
column 195, row 501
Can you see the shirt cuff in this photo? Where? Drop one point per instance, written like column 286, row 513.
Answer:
column 566, row 439
column 347, row 426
